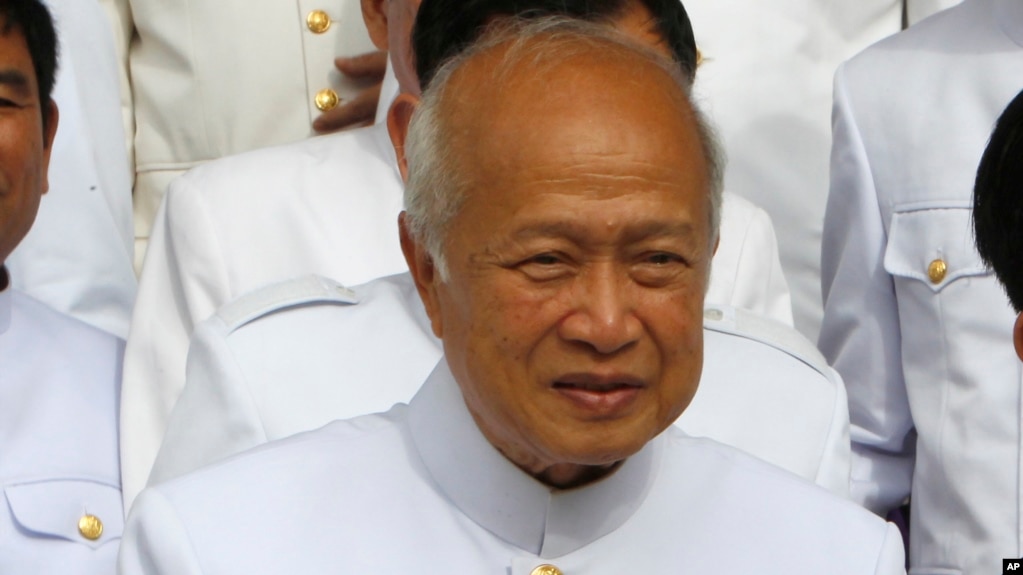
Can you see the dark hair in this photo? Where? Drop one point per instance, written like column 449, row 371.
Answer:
column 446, row 27
column 998, row 202
column 33, row 20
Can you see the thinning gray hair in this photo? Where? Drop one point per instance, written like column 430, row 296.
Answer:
column 435, row 189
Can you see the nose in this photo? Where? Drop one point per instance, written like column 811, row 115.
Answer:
column 602, row 312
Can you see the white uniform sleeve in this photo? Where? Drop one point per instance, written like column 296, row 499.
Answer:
column 155, row 542
column 122, row 24
column 917, row 10
column 834, row 470
column 892, row 560
column 746, row 272
column 216, row 416
column 182, row 283
column 860, row 333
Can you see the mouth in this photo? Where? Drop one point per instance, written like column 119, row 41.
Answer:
column 601, row 395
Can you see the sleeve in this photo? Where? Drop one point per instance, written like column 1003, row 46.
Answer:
column 122, row 23
column 892, row 559
column 917, row 10
column 835, row 463
column 216, row 415
column 860, row 334
column 183, row 282
column 155, row 542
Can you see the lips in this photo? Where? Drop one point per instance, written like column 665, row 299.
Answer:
column 601, row 395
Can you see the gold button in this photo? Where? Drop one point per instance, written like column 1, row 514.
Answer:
column 318, row 21
column 936, row 271
column 90, row 527
column 546, row 570
column 699, row 57
column 326, row 99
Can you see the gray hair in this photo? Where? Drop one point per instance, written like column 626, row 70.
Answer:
column 435, row 190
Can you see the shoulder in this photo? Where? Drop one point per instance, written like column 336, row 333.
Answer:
column 737, row 326
column 36, row 321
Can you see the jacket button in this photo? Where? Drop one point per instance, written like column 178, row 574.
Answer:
column 90, row 527
column 318, row 21
column 326, row 99
column 937, row 270
column 546, row 570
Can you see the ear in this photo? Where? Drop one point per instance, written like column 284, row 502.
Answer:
column 1017, row 336
column 398, row 118
column 374, row 14
column 52, row 116
column 424, row 274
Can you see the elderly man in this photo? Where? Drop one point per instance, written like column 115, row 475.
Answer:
column 913, row 319
column 565, row 275
column 328, row 206
column 61, row 510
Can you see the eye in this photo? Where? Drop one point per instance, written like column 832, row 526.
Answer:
column 546, row 266
column 663, row 258
column 659, row 268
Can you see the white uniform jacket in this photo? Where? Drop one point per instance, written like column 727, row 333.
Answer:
column 77, row 257
column 765, row 80
column 209, row 78
column 420, row 490
column 291, row 357
column 919, row 329
column 328, row 206
column 58, row 441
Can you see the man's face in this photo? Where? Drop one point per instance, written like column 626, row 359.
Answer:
column 572, row 315
column 24, row 148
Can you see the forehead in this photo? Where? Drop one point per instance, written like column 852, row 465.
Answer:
column 16, row 67
column 597, row 114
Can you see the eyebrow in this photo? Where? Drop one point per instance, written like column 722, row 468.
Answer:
column 16, row 80
column 631, row 232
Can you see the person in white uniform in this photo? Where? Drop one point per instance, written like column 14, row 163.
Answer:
column 328, row 206
column 60, row 502
column 566, row 282
column 77, row 257
column 267, row 366
column 914, row 321
column 203, row 80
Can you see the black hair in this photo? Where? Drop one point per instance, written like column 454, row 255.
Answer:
column 998, row 202
column 33, row 20
column 444, row 28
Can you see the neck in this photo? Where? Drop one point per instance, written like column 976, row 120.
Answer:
column 570, row 475
column 4, row 278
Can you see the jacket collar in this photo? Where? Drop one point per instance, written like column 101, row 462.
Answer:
column 503, row 499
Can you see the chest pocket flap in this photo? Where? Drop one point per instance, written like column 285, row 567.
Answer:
column 933, row 245
column 80, row 511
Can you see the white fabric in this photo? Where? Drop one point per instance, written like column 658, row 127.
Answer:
column 58, row 440
column 207, row 79
column 420, row 490
column 929, row 366
column 77, row 257
column 328, row 206
column 765, row 80
column 262, row 369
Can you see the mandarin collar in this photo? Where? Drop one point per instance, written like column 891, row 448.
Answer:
column 1009, row 15
column 5, row 300
column 508, row 502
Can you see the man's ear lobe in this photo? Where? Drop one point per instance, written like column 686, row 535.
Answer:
column 374, row 14
column 52, row 117
column 424, row 273
column 398, row 118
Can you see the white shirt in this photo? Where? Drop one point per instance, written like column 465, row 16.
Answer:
column 328, row 206
column 927, row 357
column 420, row 490
column 58, row 440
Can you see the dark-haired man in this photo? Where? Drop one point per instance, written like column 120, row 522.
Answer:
column 61, row 508
column 566, row 280
column 328, row 206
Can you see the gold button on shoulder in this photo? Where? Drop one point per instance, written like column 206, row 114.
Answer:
column 937, row 270
column 318, row 21
column 327, row 99
column 546, row 570
column 90, row 527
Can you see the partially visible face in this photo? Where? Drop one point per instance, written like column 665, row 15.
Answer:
column 24, row 148
column 401, row 16
column 572, row 314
